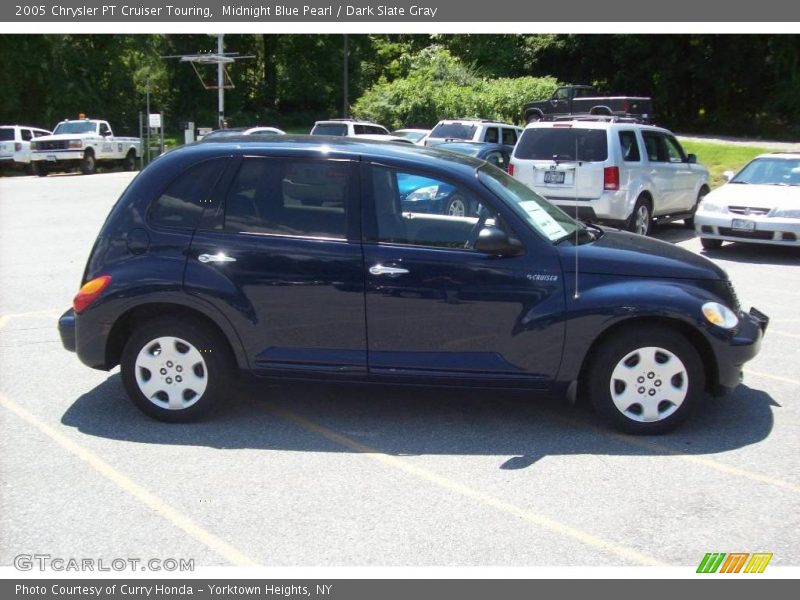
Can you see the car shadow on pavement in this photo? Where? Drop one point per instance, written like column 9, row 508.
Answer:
column 755, row 254
column 404, row 421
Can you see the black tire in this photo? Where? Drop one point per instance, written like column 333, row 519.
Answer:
column 710, row 244
column 689, row 222
column 89, row 163
column 641, row 219
column 214, row 369
column 129, row 163
column 41, row 170
column 638, row 345
column 533, row 117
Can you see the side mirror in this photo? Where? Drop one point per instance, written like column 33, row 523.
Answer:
column 691, row 159
column 728, row 175
column 495, row 242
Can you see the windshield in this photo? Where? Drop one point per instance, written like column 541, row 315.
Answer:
column 75, row 127
column 456, row 131
column 414, row 136
column 770, row 171
column 546, row 219
column 544, row 143
column 329, row 129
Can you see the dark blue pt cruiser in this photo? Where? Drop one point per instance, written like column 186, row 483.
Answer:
column 295, row 257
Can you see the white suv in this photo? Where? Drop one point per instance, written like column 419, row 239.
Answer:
column 473, row 130
column 611, row 170
column 348, row 127
column 15, row 145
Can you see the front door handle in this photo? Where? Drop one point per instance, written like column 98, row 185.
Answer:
column 391, row 271
column 219, row 257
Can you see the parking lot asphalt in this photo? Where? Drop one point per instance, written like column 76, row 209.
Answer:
column 323, row 475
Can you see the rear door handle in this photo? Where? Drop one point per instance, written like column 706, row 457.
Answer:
column 219, row 257
column 391, row 271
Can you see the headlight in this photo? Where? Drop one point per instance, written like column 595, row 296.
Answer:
column 787, row 213
column 706, row 206
column 720, row 315
column 424, row 193
column 75, row 144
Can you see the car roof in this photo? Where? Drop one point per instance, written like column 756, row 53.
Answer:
column 479, row 121
column 328, row 146
column 585, row 124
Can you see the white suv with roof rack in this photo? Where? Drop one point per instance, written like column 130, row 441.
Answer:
column 348, row 127
column 612, row 170
column 473, row 130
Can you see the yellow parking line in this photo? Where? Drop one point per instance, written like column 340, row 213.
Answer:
column 464, row 490
column 5, row 319
column 139, row 493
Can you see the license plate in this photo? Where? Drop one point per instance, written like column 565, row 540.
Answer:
column 52, row 157
column 554, row 176
column 743, row 225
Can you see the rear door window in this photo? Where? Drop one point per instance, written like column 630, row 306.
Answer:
column 289, row 197
column 182, row 203
column 492, row 135
column 567, row 143
column 629, row 146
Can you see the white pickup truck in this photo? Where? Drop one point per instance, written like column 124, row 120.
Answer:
column 83, row 143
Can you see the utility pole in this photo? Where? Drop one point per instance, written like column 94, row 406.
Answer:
column 345, row 102
column 221, row 82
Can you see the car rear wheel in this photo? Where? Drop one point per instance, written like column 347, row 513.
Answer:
column 175, row 370
column 710, row 244
column 646, row 380
column 129, row 164
column 641, row 218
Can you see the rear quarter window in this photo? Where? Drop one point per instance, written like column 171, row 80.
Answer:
column 590, row 145
column 6, row 135
column 182, row 203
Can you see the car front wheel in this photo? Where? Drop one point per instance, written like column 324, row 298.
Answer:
column 646, row 380
column 175, row 369
column 710, row 244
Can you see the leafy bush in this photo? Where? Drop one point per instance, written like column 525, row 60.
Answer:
column 439, row 86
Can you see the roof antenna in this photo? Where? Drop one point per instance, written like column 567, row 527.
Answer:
column 577, row 294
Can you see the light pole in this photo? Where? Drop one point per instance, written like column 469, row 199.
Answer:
column 221, row 82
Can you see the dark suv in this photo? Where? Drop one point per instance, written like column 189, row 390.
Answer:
column 297, row 258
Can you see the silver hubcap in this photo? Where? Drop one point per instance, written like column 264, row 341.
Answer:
column 457, row 208
column 649, row 384
column 171, row 373
column 642, row 220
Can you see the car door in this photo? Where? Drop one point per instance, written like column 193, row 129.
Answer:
column 683, row 175
column 438, row 308
column 661, row 173
column 281, row 257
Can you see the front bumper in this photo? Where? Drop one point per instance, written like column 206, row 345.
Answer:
column 768, row 230
column 743, row 346
column 56, row 156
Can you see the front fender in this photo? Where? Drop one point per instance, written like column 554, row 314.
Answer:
column 601, row 306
